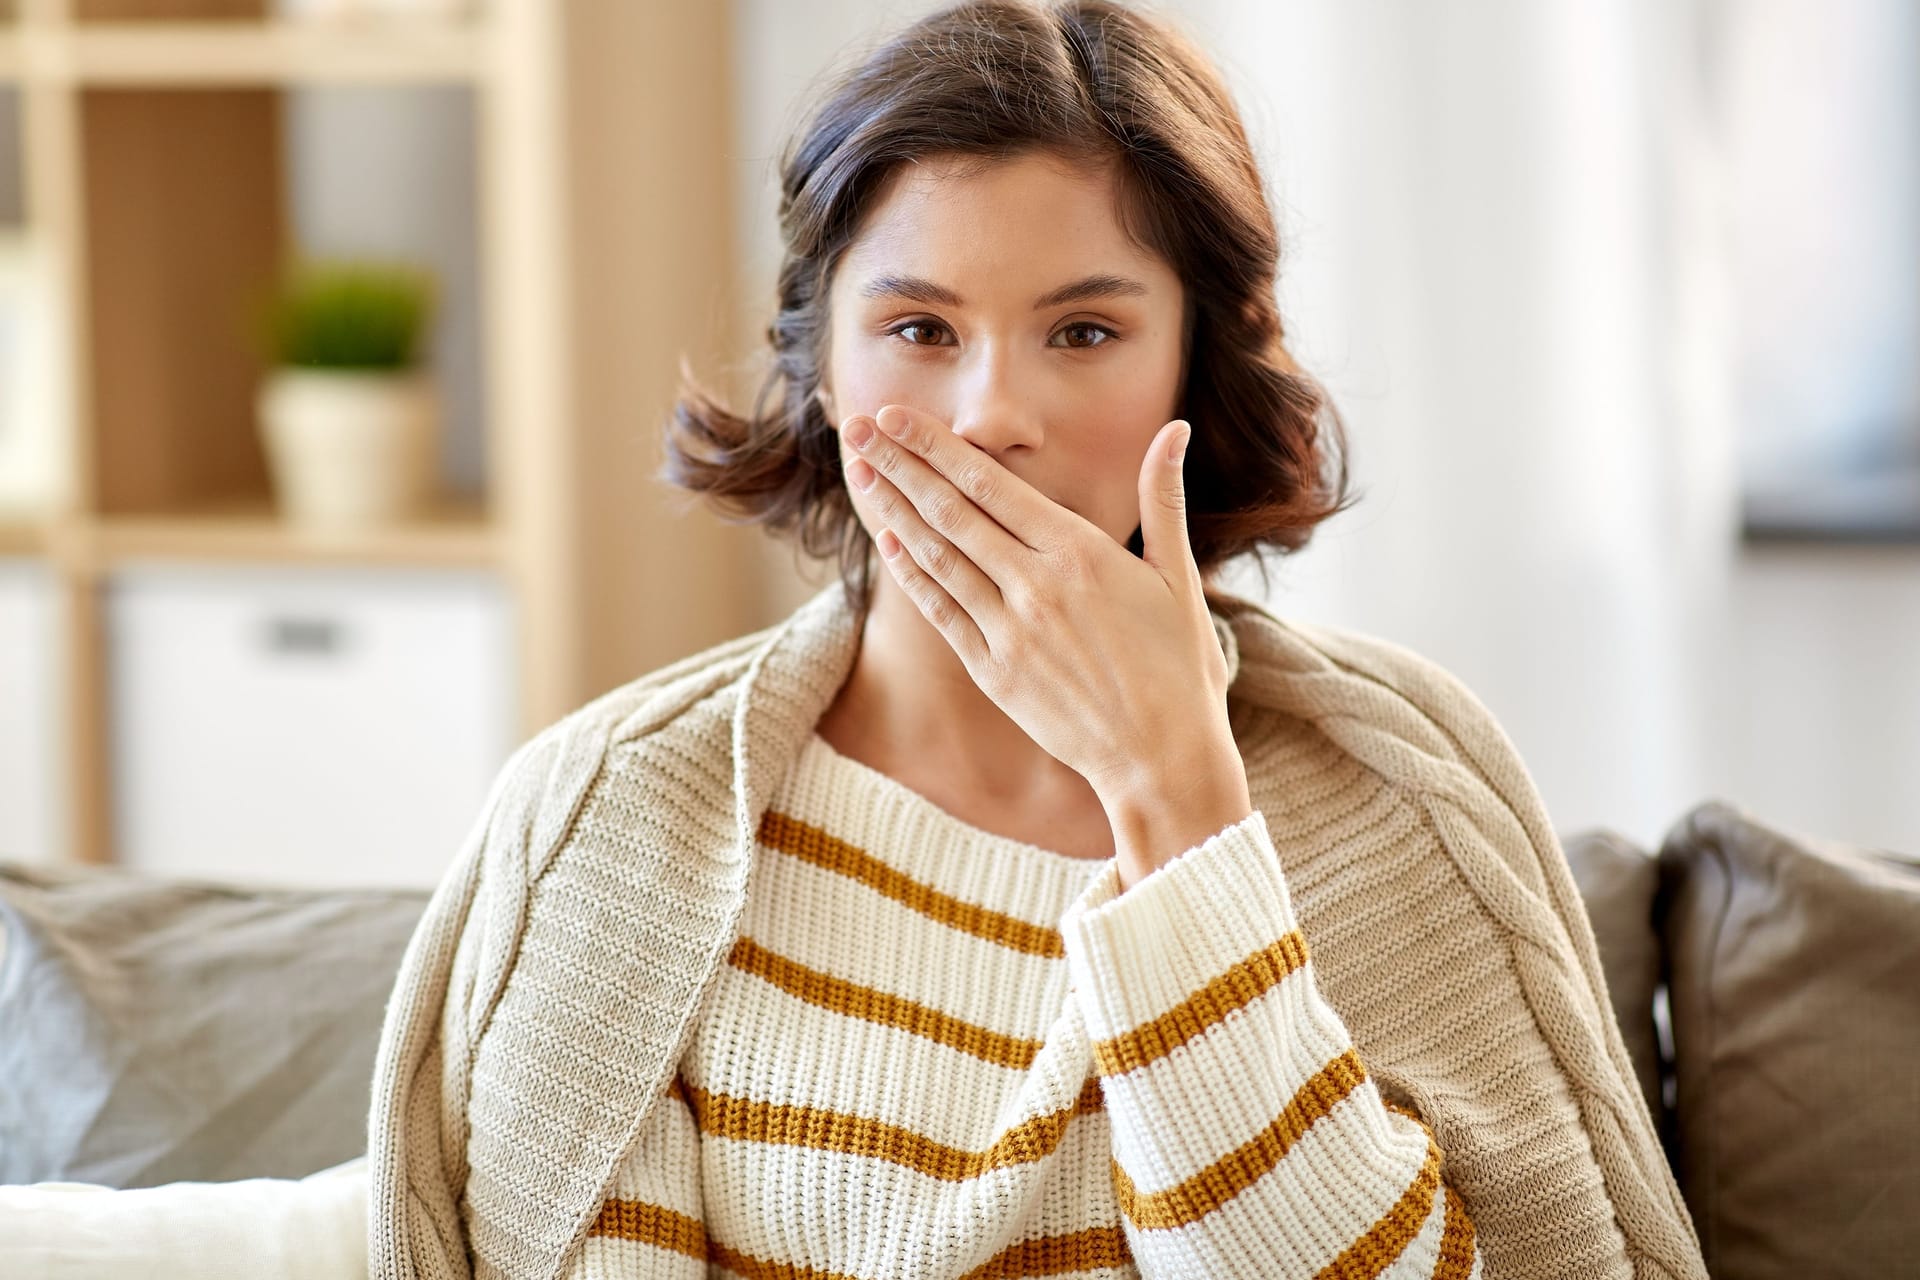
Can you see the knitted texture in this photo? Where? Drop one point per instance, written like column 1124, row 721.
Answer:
column 574, row 950
column 910, row 1068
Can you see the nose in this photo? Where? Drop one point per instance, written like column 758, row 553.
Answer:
column 991, row 413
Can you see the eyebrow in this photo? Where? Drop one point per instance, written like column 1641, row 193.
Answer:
column 920, row 289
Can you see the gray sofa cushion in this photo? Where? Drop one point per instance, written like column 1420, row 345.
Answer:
column 158, row 1031
column 1619, row 882
column 1794, row 980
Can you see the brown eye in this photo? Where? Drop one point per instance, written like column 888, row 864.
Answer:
column 917, row 333
column 1084, row 335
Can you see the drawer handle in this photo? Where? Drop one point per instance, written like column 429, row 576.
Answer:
column 296, row 636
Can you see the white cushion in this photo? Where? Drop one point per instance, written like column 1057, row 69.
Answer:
column 312, row 1228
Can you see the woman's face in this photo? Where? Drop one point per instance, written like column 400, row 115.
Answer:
column 1004, row 298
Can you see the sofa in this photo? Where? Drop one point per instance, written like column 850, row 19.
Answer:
column 160, row 1034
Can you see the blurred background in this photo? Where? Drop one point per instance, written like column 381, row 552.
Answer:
column 335, row 340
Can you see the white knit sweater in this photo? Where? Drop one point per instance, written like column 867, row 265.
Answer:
column 939, row 1052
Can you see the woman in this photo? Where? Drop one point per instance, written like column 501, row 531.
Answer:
column 1025, row 908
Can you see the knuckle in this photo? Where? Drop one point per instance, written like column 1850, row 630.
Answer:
column 938, row 558
column 943, row 512
column 981, row 665
column 993, row 675
column 976, row 482
column 1035, row 603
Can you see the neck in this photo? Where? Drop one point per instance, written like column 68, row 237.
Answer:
column 910, row 701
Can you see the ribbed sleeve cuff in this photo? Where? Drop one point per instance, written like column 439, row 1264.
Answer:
column 1136, row 954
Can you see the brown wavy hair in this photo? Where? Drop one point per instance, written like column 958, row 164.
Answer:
column 1090, row 80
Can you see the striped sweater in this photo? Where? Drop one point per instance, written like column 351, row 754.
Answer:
column 570, row 953
column 938, row 1052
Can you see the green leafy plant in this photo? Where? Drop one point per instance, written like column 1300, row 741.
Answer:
column 348, row 315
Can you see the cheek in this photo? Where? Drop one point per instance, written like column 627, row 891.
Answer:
column 1113, row 427
column 1127, row 410
column 863, row 386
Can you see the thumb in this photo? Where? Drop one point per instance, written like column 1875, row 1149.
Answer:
column 1163, row 503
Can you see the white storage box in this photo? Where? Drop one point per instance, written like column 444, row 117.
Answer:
column 32, row 750
column 306, row 726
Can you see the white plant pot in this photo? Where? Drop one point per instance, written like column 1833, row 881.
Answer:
column 349, row 448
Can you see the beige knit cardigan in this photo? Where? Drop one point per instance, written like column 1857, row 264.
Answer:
column 560, row 968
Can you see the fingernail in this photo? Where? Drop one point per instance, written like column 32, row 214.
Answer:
column 893, row 421
column 1178, row 449
column 859, row 433
column 861, row 474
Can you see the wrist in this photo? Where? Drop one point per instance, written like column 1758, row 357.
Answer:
column 1174, row 806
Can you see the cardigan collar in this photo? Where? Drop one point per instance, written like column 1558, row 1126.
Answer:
column 787, row 688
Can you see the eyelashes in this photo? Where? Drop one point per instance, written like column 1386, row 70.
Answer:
column 1106, row 335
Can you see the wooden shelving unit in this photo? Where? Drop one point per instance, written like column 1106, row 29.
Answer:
column 457, row 536
column 154, row 174
column 199, row 53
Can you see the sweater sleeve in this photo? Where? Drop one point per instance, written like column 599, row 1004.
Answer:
column 650, row 1225
column 1248, row 1138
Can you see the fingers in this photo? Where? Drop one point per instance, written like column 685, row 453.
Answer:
column 940, row 506
column 1163, row 506
column 1021, row 513
column 931, row 552
column 935, row 602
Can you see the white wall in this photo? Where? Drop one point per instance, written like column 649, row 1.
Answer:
column 1506, row 233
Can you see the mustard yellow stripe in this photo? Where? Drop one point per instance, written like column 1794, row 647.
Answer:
column 651, row 1224
column 821, row 1129
column 745, row 1264
column 1227, row 1177
column 1087, row 1250
column 810, row 844
column 655, row 1225
column 1374, row 1252
column 1457, row 1249
column 870, row 1005
column 827, row 1130
column 1238, row 987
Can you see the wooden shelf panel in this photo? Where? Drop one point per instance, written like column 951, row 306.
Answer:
column 453, row 535
column 200, row 53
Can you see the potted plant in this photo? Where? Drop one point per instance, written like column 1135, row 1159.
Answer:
column 349, row 417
